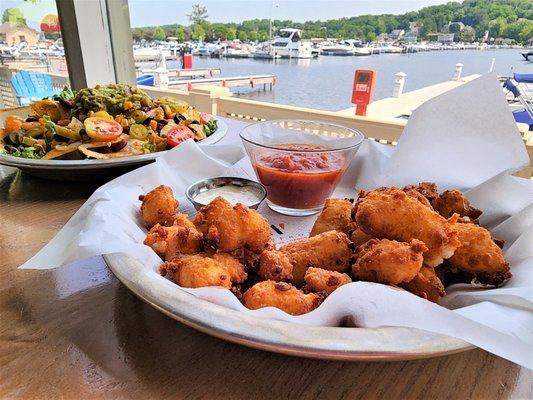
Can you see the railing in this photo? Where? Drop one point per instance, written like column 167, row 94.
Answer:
column 219, row 101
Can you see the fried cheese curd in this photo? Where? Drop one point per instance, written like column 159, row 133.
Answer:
column 336, row 216
column 390, row 213
column 200, row 270
column 322, row 280
column 281, row 295
column 426, row 284
column 479, row 257
column 158, row 206
column 388, row 261
column 329, row 250
column 455, row 202
column 180, row 238
column 427, row 189
column 227, row 228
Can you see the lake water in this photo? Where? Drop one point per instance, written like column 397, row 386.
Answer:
column 326, row 83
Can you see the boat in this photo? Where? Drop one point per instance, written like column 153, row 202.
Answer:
column 289, row 44
column 348, row 47
column 528, row 55
column 263, row 51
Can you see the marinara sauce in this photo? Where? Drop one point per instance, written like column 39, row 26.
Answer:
column 299, row 179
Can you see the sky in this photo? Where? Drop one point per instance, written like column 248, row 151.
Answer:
column 161, row 12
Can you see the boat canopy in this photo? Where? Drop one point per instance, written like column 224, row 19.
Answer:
column 525, row 78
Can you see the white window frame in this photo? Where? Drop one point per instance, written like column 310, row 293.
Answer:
column 98, row 41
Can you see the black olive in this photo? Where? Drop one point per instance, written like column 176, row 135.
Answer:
column 118, row 146
column 32, row 119
column 147, row 121
column 161, row 124
column 10, row 149
column 59, row 138
column 66, row 103
column 178, row 118
column 12, row 138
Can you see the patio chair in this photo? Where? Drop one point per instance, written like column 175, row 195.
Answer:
column 524, row 116
column 31, row 85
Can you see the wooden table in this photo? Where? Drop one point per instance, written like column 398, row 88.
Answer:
column 76, row 332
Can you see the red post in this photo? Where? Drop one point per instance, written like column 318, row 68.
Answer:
column 187, row 61
column 363, row 89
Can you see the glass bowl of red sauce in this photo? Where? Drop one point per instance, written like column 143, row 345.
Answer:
column 299, row 162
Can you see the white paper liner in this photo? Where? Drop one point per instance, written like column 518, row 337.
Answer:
column 471, row 156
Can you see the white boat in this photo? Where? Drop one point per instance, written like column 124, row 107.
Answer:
column 263, row 51
column 289, row 44
column 348, row 47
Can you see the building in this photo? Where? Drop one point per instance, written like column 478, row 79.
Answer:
column 411, row 36
column 18, row 33
column 445, row 37
column 396, row 34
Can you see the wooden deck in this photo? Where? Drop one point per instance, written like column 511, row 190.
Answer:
column 403, row 106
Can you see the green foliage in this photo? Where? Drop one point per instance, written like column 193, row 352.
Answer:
column 198, row 32
column 159, row 34
column 13, row 16
column 243, row 37
column 198, row 14
column 502, row 18
column 231, row 33
column 180, row 33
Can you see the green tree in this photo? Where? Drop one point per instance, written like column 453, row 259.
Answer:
column 180, row 34
column 198, row 14
column 527, row 32
column 468, row 34
column 13, row 16
column 497, row 27
column 159, row 34
column 252, row 36
column 231, row 33
column 370, row 36
column 198, row 32
column 243, row 37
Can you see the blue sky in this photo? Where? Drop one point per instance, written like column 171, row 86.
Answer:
column 160, row 12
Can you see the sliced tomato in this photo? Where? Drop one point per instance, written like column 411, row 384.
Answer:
column 102, row 129
column 205, row 117
column 177, row 134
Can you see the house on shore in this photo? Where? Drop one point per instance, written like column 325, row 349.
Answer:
column 14, row 34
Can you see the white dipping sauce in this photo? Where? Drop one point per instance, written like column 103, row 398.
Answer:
column 247, row 195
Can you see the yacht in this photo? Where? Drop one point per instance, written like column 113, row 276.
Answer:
column 348, row 47
column 264, row 51
column 289, row 44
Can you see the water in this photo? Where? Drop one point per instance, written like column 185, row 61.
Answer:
column 326, row 83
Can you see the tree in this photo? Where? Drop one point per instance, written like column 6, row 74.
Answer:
column 468, row 34
column 243, row 37
column 231, row 33
column 252, row 36
column 198, row 14
column 198, row 32
column 159, row 34
column 13, row 16
column 180, row 34
column 370, row 36
column 497, row 26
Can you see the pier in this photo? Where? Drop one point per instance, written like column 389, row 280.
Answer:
column 184, row 73
column 253, row 81
column 403, row 104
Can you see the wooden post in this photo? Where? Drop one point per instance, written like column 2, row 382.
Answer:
column 205, row 98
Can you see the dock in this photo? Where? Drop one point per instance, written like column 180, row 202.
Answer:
column 253, row 81
column 406, row 103
column 184, row 73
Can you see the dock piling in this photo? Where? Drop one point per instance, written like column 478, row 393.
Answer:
column 492, row 65
column 399, row 82
column 458, row 71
